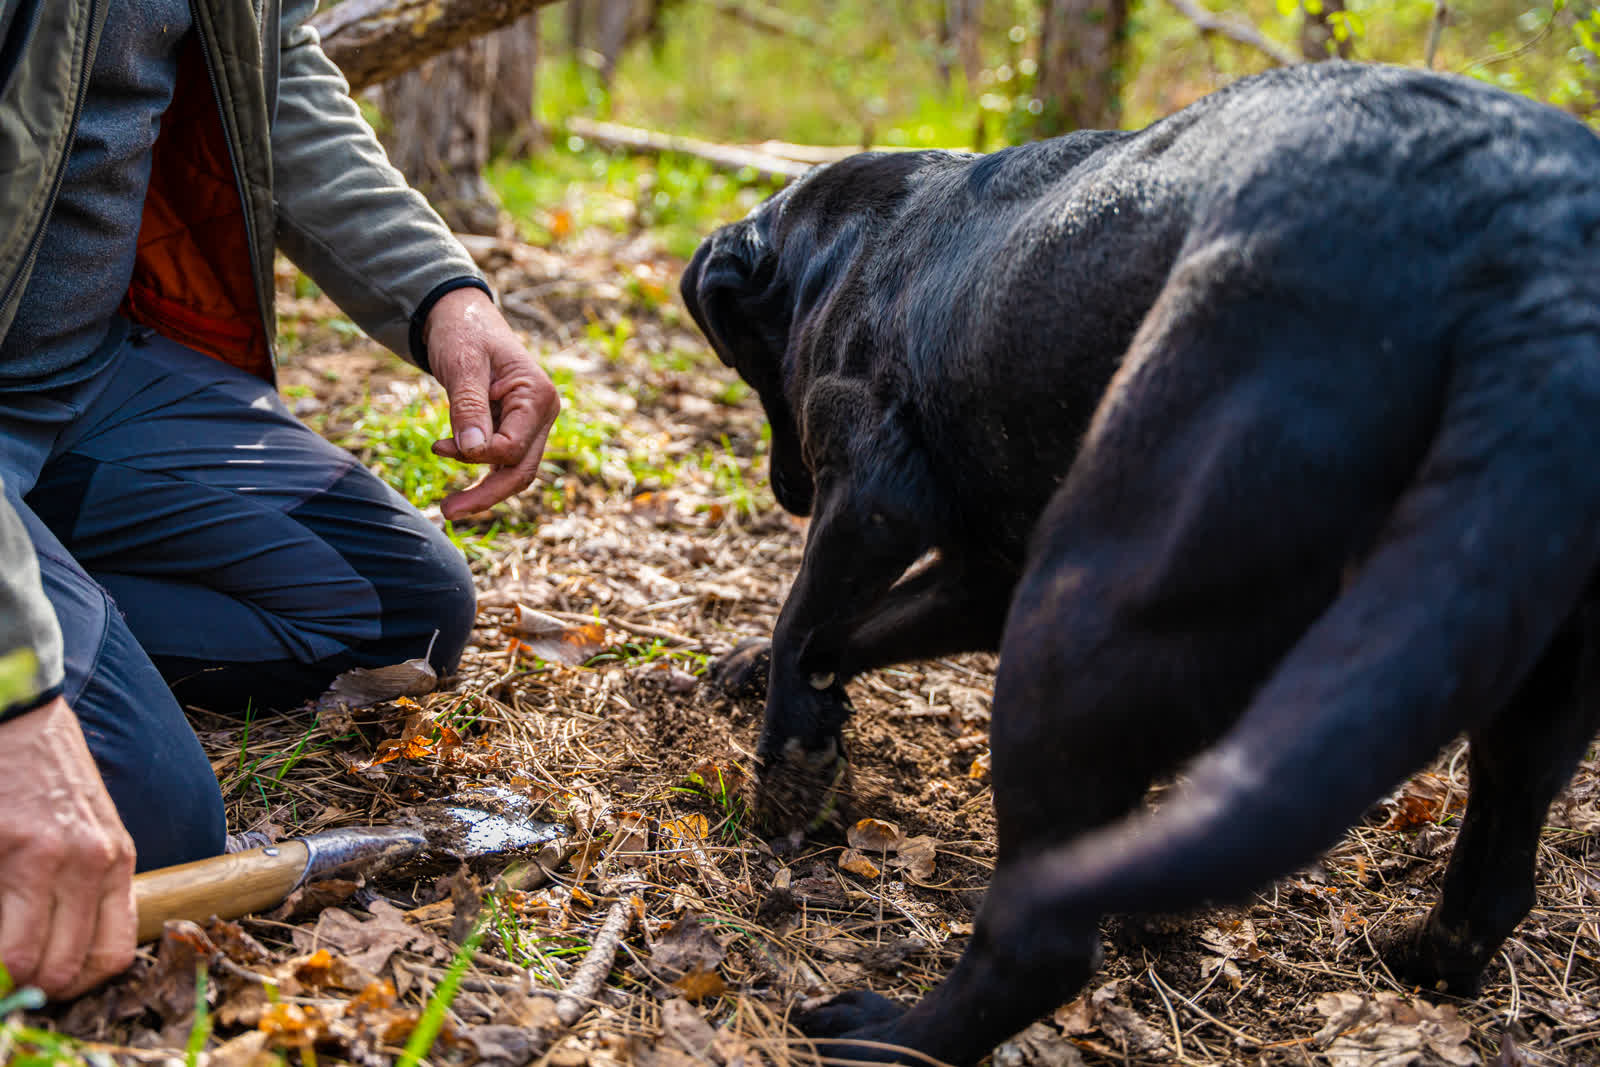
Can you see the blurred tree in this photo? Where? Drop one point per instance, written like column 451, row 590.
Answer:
column 1317, row 37
column 1082, row 48
column 959, row 33
column 444, row 117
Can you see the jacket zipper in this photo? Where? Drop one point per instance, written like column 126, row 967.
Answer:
column 238, row 183
column 61, row 166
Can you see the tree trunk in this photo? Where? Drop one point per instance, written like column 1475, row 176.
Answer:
column 372, row 41
column 512, row 128
column 963, row 25
column 1317, row 39
column 445, row 116
column 1080, row 65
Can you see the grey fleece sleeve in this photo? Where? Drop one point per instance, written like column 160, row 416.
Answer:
column 345, row 215
column 30, row 638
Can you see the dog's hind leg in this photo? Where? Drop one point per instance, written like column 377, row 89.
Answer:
column 1519, row 761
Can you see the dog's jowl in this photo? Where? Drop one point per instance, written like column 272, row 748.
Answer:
column 1287, row 412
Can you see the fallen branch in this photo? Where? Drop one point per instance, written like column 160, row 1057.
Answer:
column 650, row 142
column 1236, row 30
column 590, row 976
column 372, row 41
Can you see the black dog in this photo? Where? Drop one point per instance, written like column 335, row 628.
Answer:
column 1339, row 503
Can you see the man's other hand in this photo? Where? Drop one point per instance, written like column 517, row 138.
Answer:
column 67, row 916
column 502, row 403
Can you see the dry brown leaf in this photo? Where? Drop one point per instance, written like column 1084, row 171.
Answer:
column 689, row 828
column 687, row 1028
column 1076, row 1017
column 362, row 687
column 873, row 835
column 249, row 1049
column 555, row 641
column 698, row 984
column 312, row 898
column 916, row 856
column 1038, row 1046
column 685, row 946
column 854, row 862
column 1386, row 1030
column 369, row 944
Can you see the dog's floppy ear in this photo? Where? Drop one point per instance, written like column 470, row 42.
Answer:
column 726, row 271
column 733, row 292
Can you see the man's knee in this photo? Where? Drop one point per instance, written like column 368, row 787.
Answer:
column 150, row 759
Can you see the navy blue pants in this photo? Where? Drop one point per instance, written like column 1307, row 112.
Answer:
column 203, row 547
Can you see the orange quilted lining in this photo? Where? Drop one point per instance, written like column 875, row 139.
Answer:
column 192, row 279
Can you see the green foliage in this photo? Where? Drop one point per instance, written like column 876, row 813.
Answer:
column 420, row 1043
column 19, row 676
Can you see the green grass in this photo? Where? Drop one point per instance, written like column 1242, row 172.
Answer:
column 571, row 187
column 426, row 1032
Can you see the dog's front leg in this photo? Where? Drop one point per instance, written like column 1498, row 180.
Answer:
column 860, row 542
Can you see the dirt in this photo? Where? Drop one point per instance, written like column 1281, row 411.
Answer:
column 651, row 767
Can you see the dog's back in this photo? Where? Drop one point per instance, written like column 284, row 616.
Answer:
column 999, row 294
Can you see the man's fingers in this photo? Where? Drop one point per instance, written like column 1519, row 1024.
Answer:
column 111, row 950
column 527, row 405
column 471, row 421
column 24, row 912
column 498, row 485
column 71, row 932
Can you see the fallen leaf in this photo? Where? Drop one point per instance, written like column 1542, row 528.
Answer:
column 687, row 945
column 698, row 984
column 688, row 828
column 555, row 641
column 854, row 862
column 369, row 944
column 916, row 856
column 1038, row 1046
column 1076, row 1017
column 1423, row 801
column 687, row 1028
column 362, row 687
column 249, row 1049
column 311, row 898
column 873, row 835
column 1389, row 1031
column 500, row 1045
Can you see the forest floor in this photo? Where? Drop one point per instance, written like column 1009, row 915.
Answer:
column 653, row 547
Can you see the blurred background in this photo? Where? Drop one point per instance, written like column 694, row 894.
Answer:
column 520, row 127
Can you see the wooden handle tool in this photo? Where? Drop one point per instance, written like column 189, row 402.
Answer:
column 485, row 821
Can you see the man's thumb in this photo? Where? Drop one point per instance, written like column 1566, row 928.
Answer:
column 469, row 418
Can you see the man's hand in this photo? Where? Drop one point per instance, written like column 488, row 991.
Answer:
column 501, row 402
column 67, row 917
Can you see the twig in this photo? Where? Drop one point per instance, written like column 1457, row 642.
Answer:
column 1236, row 30
column 650, row 142
column 1172, row 1014
column 591, row 974
column 1525, row 46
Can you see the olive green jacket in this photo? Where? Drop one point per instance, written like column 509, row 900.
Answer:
column 291, row 148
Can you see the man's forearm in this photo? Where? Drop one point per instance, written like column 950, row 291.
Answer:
column 30, row 638
column 345, row 215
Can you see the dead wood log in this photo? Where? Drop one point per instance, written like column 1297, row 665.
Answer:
column 650, row 142
column 372, row 41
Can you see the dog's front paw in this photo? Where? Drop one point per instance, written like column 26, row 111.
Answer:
column 804, row 792
column 850, row 1017
column 742, row 673
column 1436, row 960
